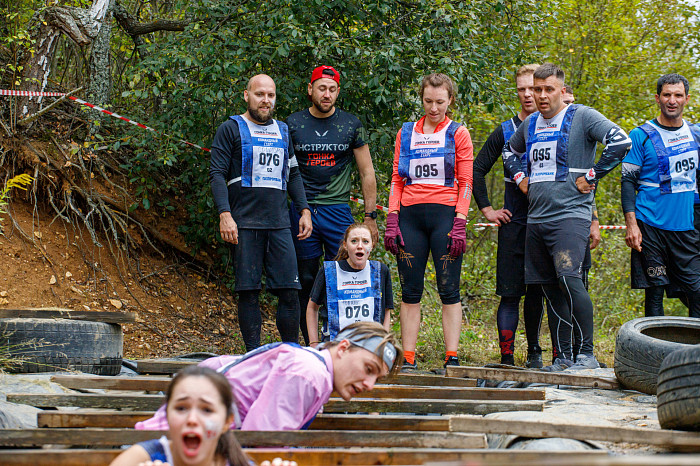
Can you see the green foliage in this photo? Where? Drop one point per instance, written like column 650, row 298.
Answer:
column 14, row 37
column 613, row 51
column 19, row 182
column 194, row 80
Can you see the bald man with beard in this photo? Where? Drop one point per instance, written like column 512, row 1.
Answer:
column 252, row 169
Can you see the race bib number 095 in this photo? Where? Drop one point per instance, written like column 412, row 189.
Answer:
column 428, row 170
column 543, row 161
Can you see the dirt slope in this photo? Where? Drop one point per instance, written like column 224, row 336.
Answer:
column 47, row 262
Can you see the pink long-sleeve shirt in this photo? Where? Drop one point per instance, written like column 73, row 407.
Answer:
column 280, row 389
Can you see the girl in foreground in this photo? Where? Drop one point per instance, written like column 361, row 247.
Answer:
column 199, row 410
column 353, row 288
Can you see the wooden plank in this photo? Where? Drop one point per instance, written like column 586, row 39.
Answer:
column 114, row 419
column 687, row 441
column 318, row 457
column 603, row 460
column 146, row 383
column 334, row 405
column 431, row 406
column 171, row 366
column 428, row 380
column 112, row 317
column 163, row 366
column 533, row 376
column 301, row 438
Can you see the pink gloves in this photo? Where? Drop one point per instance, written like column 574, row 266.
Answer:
column 392, row 235
column 459, row 237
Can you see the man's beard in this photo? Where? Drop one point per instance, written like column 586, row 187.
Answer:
column 318, row 106
column 258, row 117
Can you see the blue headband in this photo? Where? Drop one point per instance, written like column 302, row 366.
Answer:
column 371, row 344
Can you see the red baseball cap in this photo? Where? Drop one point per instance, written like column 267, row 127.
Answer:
column 325, row 72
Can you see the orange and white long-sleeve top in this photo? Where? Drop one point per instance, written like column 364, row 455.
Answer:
column 458, row 194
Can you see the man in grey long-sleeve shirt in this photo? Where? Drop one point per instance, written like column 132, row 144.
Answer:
column 252, row 168
column 560, row 142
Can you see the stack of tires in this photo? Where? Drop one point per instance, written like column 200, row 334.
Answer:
column 661, row 356
column 642, row 345
column 49, row 345
column 678, row 392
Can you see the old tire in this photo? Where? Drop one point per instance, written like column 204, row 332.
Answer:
column 642, row 344
column 48, row 345
column 678, row 393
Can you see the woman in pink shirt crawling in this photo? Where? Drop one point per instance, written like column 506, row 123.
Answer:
column 282, row 386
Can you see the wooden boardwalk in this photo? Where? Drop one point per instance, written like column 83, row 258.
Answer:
column 445, row 423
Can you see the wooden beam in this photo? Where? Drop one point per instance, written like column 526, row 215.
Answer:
column 320, row 456
column 430, row 406
column 687, row 441
column 532, row 376
column 428, row 380
column 171, row 366
column 114, row 419
column 163, row 366
column 150, row 383
column 334, row 405
column 112, row 317
column 142, row 383
column 300, row 438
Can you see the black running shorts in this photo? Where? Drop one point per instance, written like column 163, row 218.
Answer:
column 667, row 256
column 271, row 250
column 555, row 249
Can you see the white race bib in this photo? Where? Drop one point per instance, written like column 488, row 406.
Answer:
column 428, row 170
column 543, row 161
column 267, row 167
column 355, row 310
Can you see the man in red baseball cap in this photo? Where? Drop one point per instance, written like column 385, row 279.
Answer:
column 326, row 141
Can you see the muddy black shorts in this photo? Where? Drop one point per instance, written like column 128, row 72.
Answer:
column 510, row 260
column 666, row 257
column 271, row 250
column 555, row 249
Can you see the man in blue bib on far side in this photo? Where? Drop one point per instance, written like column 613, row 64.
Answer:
column 659, row 182
column 560, row 143
column 253, row 167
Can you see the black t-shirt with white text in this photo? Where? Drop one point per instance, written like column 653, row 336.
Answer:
column 324, row 151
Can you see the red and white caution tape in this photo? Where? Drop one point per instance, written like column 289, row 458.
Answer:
column 136, row 123
column 362, row 201
column 98, row 108
column 30, row 93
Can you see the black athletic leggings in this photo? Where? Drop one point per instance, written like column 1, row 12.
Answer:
column 308, row 269
column 654, row 302
column 250, row 320
column 567, row 295
column 507, row 318
column 425, row 229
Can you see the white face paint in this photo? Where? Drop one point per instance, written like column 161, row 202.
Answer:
column 212, row 428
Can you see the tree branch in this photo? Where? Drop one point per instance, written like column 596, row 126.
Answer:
column 135, row 28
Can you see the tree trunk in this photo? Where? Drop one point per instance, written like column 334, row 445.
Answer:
column 100, row 86
column 81, row 25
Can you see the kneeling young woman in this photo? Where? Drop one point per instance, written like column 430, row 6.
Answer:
column 352, row 288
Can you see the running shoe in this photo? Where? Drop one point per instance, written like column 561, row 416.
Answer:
column 407, row 366
column 508, row 359
column 451, row 361
column 534, row 358
column 585, row 361
column 558, row 365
